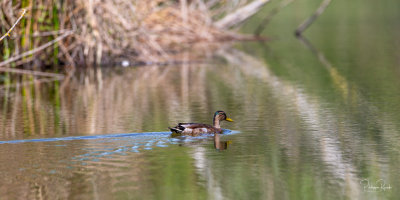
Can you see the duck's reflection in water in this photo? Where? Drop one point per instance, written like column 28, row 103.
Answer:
column 194, row 141
column 221, row 145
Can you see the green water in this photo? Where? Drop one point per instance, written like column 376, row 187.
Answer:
column 312, row 124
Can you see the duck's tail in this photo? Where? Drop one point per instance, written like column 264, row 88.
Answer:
column 175, row 130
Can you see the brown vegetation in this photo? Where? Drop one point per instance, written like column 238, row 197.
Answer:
column 114, row 30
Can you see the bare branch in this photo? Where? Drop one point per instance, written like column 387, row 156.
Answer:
column 303, row 26
column 33, row 51
column 241, row 14
column 268, row 18
column 9, row 31
column 31, row 72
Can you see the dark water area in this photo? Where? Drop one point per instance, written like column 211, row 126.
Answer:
column 316, row 118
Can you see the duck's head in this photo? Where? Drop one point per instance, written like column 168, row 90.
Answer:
column 221, row 115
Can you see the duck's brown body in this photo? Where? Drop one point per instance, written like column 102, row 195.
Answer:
column 196, row 129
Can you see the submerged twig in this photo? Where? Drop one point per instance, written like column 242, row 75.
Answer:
column 303, row 26
column 24, row 83
column 9, row 31
column 338, row 80
column 315, row 51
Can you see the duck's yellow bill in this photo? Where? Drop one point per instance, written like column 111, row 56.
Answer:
column 229, row 119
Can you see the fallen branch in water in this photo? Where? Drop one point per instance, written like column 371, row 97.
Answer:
column 9, row 31
column 303, row 26
column 241, row 14
column 268, row 18
column 33, row 51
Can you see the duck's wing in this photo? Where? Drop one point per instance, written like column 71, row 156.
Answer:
column 194, row 125
column 189, row 127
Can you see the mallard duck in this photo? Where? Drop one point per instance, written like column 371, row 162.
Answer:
column 195, row 129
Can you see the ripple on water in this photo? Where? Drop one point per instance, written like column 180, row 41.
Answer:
column 117, row 154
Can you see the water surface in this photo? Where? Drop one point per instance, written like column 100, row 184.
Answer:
column 317, row 122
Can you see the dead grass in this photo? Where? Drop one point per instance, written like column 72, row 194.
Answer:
column 109, row 31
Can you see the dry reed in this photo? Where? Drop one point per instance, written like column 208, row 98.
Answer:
column 114, row 30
